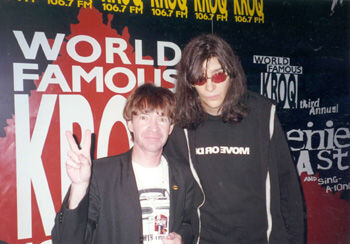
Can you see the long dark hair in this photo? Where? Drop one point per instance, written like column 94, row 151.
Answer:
column 189, row 112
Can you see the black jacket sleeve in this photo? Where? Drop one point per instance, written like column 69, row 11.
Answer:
column 70, row 224
column 289, row 190
column 176, row 146
column 77, row 225
column 187, row 229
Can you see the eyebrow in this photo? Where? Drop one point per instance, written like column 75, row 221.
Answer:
column 216, row 70
column 158, row 112
column 219, row 69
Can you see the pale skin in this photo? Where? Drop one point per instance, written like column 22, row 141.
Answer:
column 151, row 130
column 150, row 134
column 78, row 167
column 212, row 94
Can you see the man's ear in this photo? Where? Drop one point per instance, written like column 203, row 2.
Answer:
column 171, row 128
column 130, row 125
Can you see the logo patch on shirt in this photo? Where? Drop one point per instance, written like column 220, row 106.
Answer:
column 223, row 150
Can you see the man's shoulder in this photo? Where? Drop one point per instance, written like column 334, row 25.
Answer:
column 112, row 161
column 178, row 164
column 254, row 99
column 259, row 107
column 177, row 161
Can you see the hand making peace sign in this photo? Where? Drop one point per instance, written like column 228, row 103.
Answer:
column 78, row 167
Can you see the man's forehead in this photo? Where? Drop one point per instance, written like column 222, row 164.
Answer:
column 152, row 110
column 212, row 65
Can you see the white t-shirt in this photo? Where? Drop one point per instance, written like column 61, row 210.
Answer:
column 153, row 187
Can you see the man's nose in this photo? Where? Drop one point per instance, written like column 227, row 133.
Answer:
column 209, row 85
column 154, row 124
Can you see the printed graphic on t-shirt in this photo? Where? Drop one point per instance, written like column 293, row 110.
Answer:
column 155, row 213
column 235, row 150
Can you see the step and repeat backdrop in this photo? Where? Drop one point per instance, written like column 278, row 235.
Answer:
column 70, row 65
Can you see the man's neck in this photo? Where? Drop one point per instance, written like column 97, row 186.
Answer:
column 146, row 159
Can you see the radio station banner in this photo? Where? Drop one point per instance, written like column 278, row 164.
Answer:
column 71, row 64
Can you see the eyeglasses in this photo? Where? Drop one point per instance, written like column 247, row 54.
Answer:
column 216, row 78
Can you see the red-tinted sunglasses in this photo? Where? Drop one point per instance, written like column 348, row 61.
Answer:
column 216, row 78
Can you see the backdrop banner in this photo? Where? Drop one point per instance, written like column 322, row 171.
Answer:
column 71, row 64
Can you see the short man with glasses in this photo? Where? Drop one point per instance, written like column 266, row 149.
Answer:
column 141, row 196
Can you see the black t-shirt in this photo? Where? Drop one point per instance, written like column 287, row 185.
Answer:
column 230, row 172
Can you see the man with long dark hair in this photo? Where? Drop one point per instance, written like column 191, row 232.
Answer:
column 236, row 149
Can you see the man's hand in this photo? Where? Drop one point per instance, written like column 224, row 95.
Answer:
column 172, row 238
column 78, row 167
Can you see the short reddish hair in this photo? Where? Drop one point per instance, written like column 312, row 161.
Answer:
column 148, row 97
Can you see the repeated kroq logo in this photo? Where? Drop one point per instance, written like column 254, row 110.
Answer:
column 248, row 11
column 211, row 10
column 280, row 82
column 84, row 85
column 169, row 8
column 123, row 6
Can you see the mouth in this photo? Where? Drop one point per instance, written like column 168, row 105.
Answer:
column 213, row 97
column 152, row 137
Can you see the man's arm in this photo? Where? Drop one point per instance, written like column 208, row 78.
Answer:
column 188, row 229
column 176, row 146
column 70, row 225
column 78, row 167
column 71, row 220
column 292, row 208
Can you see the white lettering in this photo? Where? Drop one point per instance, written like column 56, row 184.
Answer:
column 95, row 73
column 39, row 39
column 53, row 75
column 322, row 158
column 131, row 80
column 304, row 164
column 96, row 49
column 339, row 156
column 19, row 76
column 138, row 54
column 223, row 150
column 29, row 166
column 161, row 53
column 111, row 50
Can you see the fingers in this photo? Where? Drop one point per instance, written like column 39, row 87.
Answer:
column 173, row 238
column 175, row 235
column 72, row 164
column 78, row 168
column 86, row 144
column 76, row 159
column 73, row 156
column 72, row 144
